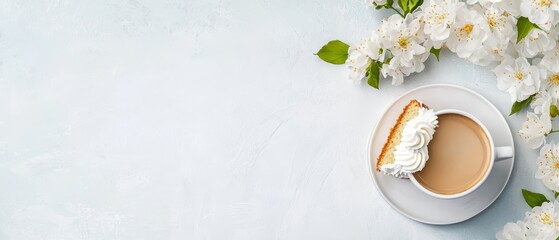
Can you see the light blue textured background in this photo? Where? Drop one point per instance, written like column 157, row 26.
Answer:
column 167, row 119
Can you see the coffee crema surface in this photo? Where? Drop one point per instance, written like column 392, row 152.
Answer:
column 459, row 156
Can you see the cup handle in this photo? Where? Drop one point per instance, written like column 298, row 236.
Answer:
column 502, row 153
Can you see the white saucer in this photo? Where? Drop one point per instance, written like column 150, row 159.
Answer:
column 410, row 201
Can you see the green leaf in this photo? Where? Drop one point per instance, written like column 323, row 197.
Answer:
column 389, row 3
column 373, row 74
column 517, row 106
column 553, row 111
column 334, row 52
column 404, row 6
column 555, row 194
column 435, row 52
column 386, row 61
column 408, row 6
column 533, row 199
column 524, row 27
column 414, row 4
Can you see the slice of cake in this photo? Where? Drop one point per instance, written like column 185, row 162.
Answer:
column 405, row 150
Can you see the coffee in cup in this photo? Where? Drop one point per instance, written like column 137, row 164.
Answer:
column 461, row 156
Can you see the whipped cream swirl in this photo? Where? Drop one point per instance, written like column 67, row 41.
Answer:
column 411, row 154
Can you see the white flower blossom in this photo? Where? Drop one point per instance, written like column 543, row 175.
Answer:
column 535, row 129
column 468, row 33
column 402, row 38
column 358, row 61
column 512, row 7
column 438, row 17
column 541, row 12
column 376, row 2
column 395, row 70
column 483, row 2
column 499, row 28
column 541, row 101
column 500, row 25
column 398, row 71
column 550, row 59
column 518, row 78
column 552, row 86
column 548, row 166
column 492, row 53
column 543, row 221
column 513, row 231
column 536, row 42
column 550, row 80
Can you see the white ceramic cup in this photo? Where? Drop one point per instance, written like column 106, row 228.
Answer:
column 497, row 153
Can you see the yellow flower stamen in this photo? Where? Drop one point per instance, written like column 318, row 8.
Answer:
column 551, row 155
column 519, row 75
column 543, row 3
column 554, row 79
column 441, row 16
column 468, row 29
column 403, row 42
column 492, row 22
column 545, row 219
